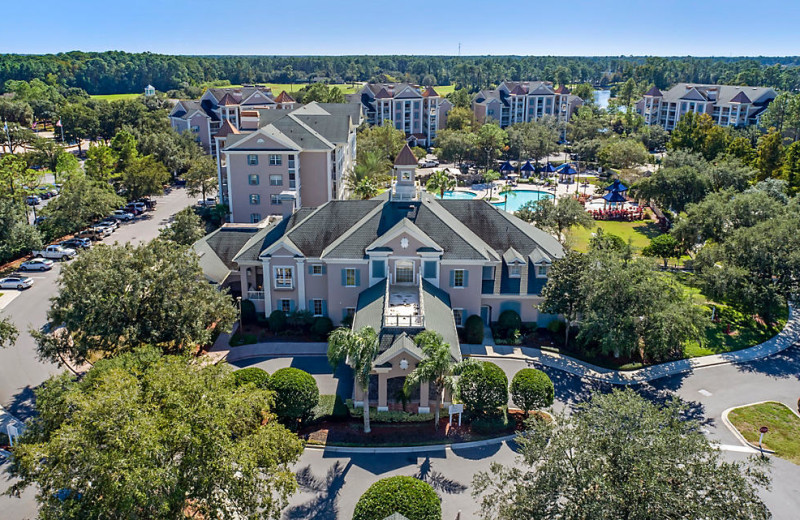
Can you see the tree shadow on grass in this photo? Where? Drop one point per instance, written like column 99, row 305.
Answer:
column 324, row 505
column 650, row 230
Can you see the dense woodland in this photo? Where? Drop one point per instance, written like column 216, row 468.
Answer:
column 120, row 72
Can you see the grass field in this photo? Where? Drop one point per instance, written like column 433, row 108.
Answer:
column 783, row 436
column 640, row 233
column 115, row 97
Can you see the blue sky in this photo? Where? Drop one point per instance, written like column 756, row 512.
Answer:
column 535, row 27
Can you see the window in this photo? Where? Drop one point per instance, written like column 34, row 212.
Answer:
column 458, row 316
column 284, row 277
column 291, row 160
column 378, row 269
column 429, row 269
column 286, row 306
column 255, row 198
column 542, row 271
column 459, row 278
column 349, row 312
column 252, row 179
column 275, row 159
column 349, row 277
column 514, row 270
column 404, row 272
column 195, row 129
column 275, row 199
column 316, row 307
column 316, row 270
column 276, row 180
column 255, row 217
column 488, row 272
column 252, row 159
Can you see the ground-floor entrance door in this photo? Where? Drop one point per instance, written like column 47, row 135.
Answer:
column 486, row 314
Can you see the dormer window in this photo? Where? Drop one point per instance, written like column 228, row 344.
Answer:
column 541, row 270
column 514, row 271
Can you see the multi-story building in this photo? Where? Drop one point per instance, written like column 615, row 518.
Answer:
column 415, row 110
column 287, row 160
column 238, row 105
column 524, row 101
column 401, row 263
column 727, row 105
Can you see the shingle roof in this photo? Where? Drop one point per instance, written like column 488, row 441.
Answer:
column 283, row 97
column 383, row 94
column 562, row 90
column 518, row 91
column 654, row 92
column 406, row 157
column 324, row 225
column 741, row 97
column 226, row 129
column 228, row 100
column 218, row 249
column 429, row 92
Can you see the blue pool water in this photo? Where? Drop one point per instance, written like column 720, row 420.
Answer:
column 521, row 197
column 463, row 195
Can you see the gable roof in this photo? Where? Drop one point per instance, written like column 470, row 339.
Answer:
column 741, row 97
column 654, row 92
column 693, row 95
column 228, row 100
column 406, row 157
column 429, row 92
column 283, row 97
column 383, row 94
column 226, row 129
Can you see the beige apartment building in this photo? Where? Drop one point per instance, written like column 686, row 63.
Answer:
column 524, row 101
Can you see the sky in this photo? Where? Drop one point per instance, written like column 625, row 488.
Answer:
column 318, row 27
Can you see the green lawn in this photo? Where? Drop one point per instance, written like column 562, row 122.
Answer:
column 783, row 436
column 115, row 97
column 640, row 233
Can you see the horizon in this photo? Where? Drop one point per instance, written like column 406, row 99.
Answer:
column 620, row 28
column 603, row 56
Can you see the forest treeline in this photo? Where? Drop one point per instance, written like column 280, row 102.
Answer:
column 114, row 72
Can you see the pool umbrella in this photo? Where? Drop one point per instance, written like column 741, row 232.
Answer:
column 617, row 186
column 506, row 167
column 613, row 197
column 549, row 168
column 527, row 169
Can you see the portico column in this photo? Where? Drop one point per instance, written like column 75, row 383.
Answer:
column 382, row 406
column 301, row 283
column 424, row 400
column 267, row 284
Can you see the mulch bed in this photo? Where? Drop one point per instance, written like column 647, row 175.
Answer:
column 351, row 432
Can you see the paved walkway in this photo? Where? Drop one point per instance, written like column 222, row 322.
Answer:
column 786, row 338
column 223, row 351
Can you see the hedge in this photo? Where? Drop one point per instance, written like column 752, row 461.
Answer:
column 473, row 329
column 253, row 375
column 277, row 321
column 483, row 388
column 296, row 394
column 532, row 389
column 321, row 327
column 507, row 322
column 330, row 407
column 391, row 416
column 248, row 310
column 408, row 496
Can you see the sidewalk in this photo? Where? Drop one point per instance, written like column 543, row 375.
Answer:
column 783, row 340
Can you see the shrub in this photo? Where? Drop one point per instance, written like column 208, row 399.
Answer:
column 556, row 327
column 248, row 312
column 391, row 416
column 277, row 321
column 330, row 407
column 508, row 321
column 483, row 387
column 321, row 327
column 408, row 496
column 531, row 389
column 300, row 320
column 490, row 423
column 473, row 329
column 296, row 394
column 254, row 375
column 240, row 339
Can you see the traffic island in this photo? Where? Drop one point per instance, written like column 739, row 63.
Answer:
column 779, row 425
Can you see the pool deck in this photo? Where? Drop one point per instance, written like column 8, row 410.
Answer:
column 562, row 188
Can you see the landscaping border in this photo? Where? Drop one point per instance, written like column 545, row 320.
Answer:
column 736, row 431
column 781, row 341
column 411, row 449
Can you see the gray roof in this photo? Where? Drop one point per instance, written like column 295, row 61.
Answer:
column 264, row 238
column 217, row 250
column 719, row 94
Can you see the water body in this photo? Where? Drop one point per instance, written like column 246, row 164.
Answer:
column 461, row 195
column 601, row 98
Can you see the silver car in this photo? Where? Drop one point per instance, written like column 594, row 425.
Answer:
column 37, row 264
column 15, row 282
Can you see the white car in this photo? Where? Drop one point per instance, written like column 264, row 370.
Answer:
column 122, row 215
column 15, row 282
column 37, row 264
column 208, row 201
column 429, row 163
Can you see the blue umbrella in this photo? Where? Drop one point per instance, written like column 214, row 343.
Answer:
column 527, row 167
column 549, row 168
column 614, row 197
column 617, row 186
column 506, row 167
column 567, row 169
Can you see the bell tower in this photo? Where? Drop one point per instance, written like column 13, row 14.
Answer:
column 405, row 173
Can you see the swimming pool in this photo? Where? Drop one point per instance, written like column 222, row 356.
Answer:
column 460, row 195
column 521, row 197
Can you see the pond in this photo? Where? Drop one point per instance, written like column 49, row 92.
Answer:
column 601, row 98
column 521, row 197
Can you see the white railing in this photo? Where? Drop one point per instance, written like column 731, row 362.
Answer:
column 393, row 320
column 255, row 295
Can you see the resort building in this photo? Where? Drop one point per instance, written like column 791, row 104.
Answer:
column 524, row 101
column 727, row 105
column 401, row 263
column 285, row 159
column 415, row 110
column 237, row 105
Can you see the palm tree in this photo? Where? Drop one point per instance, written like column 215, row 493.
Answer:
column 438, row 367
column 359, row 348
column 508, row 191
column 441, row 182
column 370, row 165
column 365, row 189
column 491, row 176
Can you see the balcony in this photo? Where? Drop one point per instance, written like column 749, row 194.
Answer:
column 403, row 304
column 255, row 295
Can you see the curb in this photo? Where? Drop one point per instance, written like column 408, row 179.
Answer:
column 412, row 449
column 739, row 435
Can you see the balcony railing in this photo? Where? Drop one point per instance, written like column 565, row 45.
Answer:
column 255, row 295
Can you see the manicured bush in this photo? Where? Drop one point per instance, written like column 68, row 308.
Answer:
column 391, row 416
column 494, row 423
column 483, row 388
column 296, row 394
column 330, row 407
column 531, row 389
column 508, row 322
column 473, row 329
column 248, row 312
column 321, row 327
column 408, row 496
column 254, row 375
column 300, row 320
column 277, row 321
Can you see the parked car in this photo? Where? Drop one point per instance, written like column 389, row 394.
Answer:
column 428, row 163
column 137, row 208
column 103, row 230
column 37, row 264
column 39, row 220
column 33, row 200
column 123, row 215
column 15, row 282
column 150, row 204
column 110, row 222
column 180, row 182
column 56, row 252
column 77, row 243
column 208, row 201
column 44, row 195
